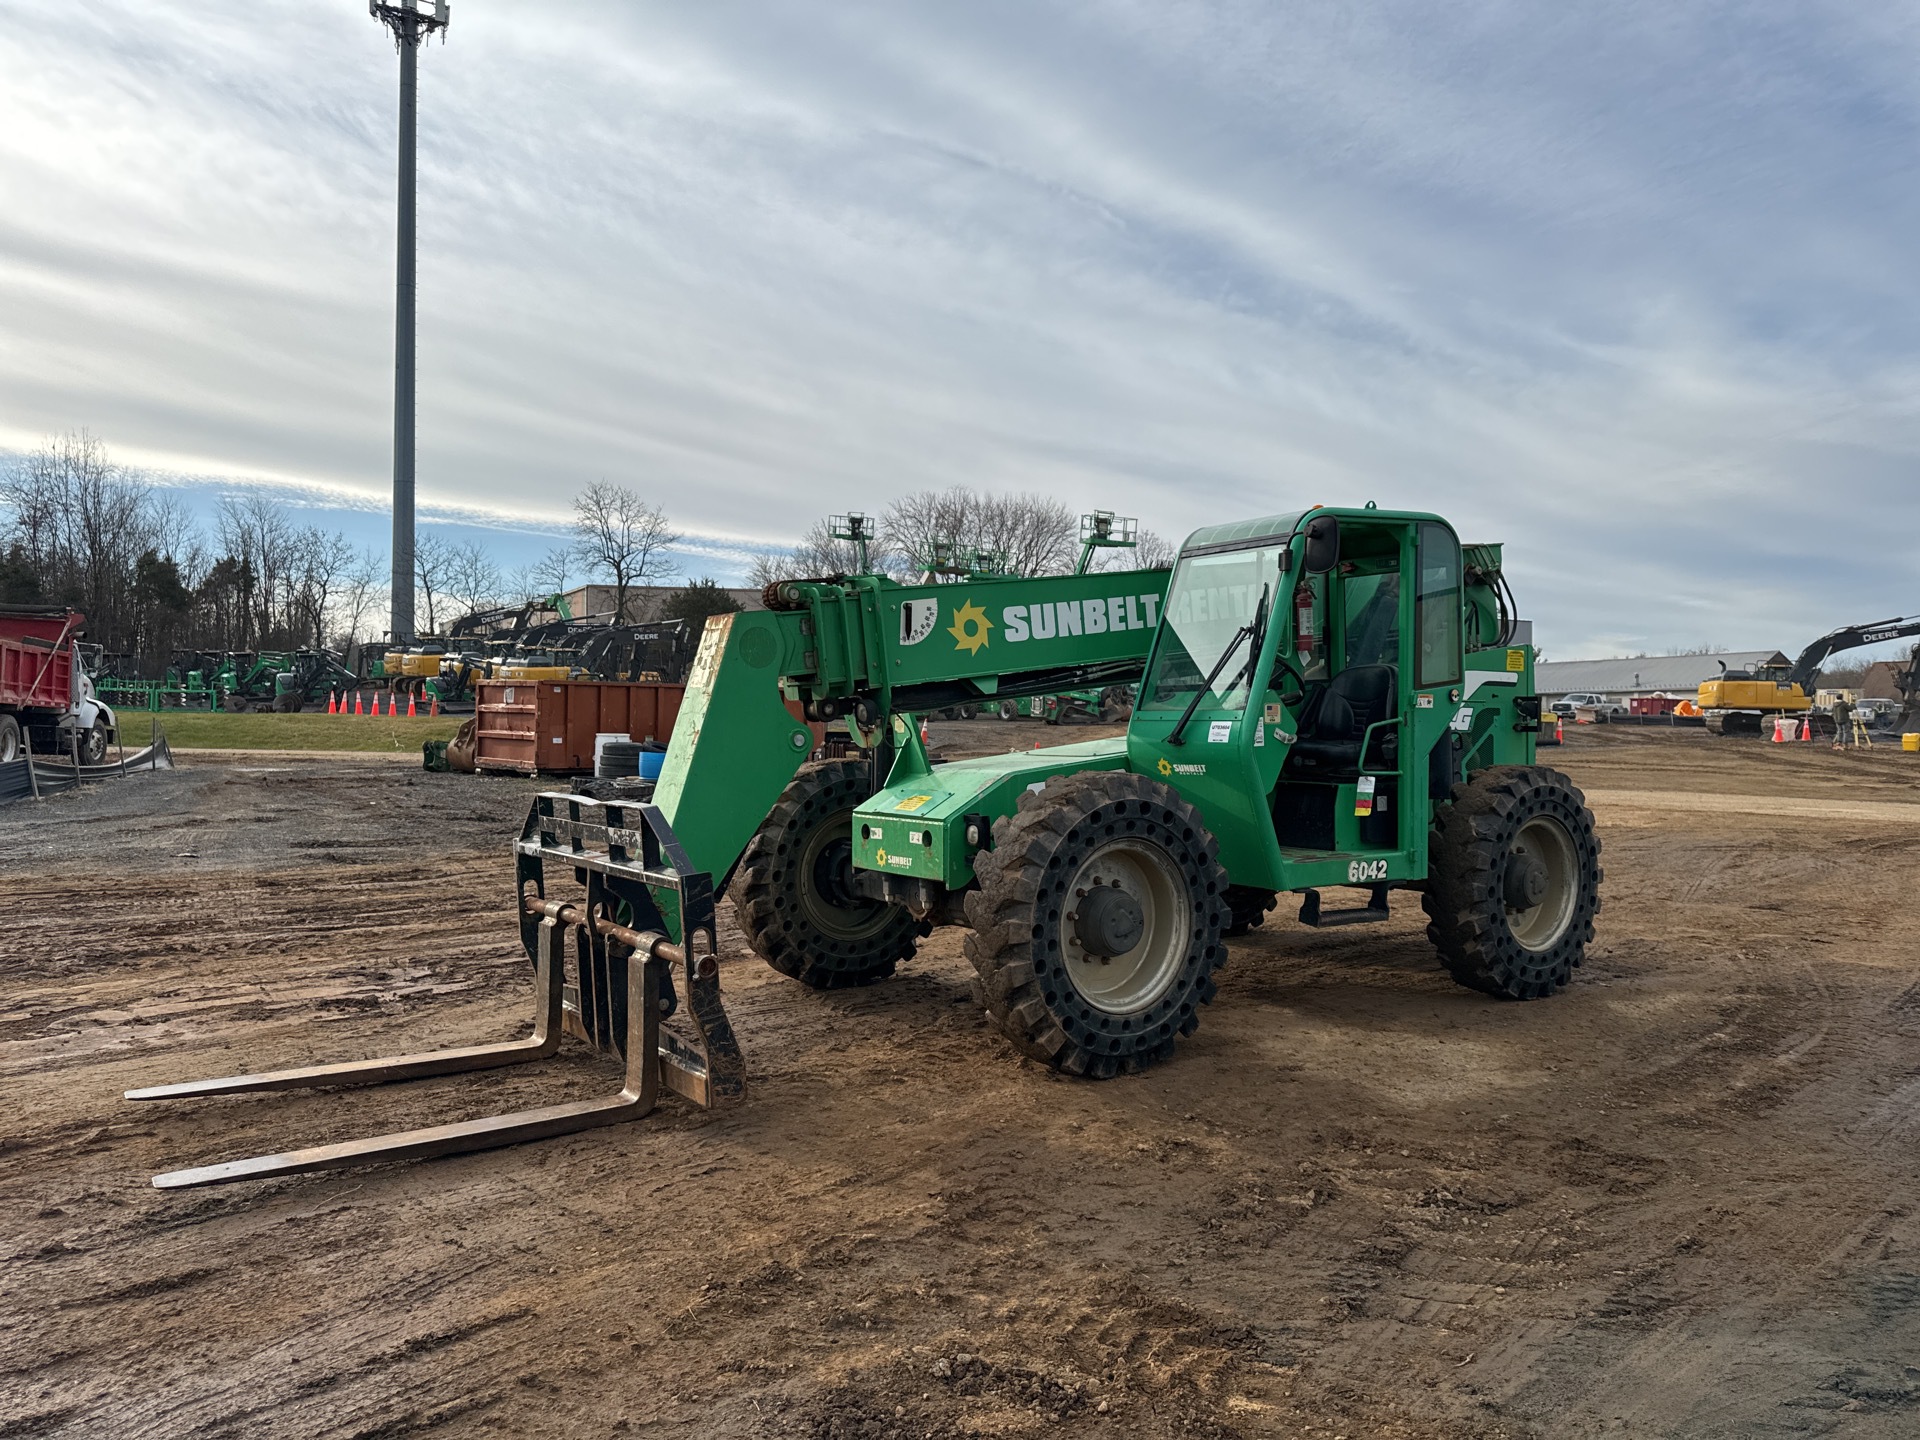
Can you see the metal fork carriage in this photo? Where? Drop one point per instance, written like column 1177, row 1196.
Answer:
column 624, row 856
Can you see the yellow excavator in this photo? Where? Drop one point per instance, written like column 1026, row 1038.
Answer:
column 1737, row 702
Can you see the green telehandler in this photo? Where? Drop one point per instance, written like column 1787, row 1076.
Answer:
column 1330, row 701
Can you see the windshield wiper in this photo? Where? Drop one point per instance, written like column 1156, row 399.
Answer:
column 1259, row 638
column 1244, row 632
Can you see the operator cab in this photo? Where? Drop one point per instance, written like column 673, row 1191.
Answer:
column 1310, row 640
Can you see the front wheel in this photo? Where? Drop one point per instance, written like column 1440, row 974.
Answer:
column 1097, row 925
column 1514, row 882
column 1009, row 710
column 794, row 894
column 93, row 744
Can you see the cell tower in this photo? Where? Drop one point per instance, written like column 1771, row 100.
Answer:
column 411, row 22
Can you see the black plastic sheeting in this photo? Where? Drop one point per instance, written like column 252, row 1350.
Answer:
column 43, row 775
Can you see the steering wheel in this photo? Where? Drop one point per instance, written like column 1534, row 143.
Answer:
column 1280, row 662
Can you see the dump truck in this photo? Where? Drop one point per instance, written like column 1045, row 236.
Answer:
column 1331, row 707
column 46, row 695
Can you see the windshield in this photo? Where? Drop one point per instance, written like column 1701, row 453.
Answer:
column 1211, row 599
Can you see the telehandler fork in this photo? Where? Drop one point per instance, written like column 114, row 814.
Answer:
column 626, row 859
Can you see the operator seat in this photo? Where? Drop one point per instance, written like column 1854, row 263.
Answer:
column 1335, row 725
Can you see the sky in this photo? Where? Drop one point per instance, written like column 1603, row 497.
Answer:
column 1627, row 285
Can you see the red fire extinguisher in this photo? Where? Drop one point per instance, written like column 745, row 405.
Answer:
column 1304, row 635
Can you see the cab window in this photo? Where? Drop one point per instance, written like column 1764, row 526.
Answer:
column 1437, row 598
column 1373, row 619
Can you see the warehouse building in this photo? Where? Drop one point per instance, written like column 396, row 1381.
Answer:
column 1644, row 674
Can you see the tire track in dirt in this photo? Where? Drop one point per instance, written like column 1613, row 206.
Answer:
column 1675, row 1199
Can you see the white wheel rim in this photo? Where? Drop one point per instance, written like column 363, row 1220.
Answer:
column 1540, row 927
column 1127, row 984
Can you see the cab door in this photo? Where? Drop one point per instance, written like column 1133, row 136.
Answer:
column 1340, row 790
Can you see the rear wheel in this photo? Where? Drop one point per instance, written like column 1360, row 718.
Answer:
column 9, row 739
column 795, row 893
column 1009, row 710
column 1515, row 882
column 1096, row 929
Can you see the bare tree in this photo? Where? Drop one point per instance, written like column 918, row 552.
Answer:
column 325, row 557
column 551, row 571
column 820, row 554
column 78, row 524
column 473, row 580
column 538, row 579
column 621, row 536
column 769, row 566
column 255, row 533
column 173, row 531
column 1031, row 534
column 1150, row 551
column 433, row 565
column 361, row 595
column 1154, row 551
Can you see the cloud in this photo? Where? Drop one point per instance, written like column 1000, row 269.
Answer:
column 1625, row 285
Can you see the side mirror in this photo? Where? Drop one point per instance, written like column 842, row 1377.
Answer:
column 1323, row 544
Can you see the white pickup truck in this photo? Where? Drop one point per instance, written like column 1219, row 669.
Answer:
column 1602, row 707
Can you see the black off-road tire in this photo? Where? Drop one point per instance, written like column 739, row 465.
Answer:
column 790, row 895
column 1022, row 920
column 1009, row 710
column 10, row 747
column 1247, row 906
column 1501, row 821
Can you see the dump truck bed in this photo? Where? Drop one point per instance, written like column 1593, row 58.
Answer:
column 36, row 658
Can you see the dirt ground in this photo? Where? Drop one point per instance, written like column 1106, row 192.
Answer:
column 1682, row 1199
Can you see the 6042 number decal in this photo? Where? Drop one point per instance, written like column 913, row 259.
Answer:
column 1362, row 871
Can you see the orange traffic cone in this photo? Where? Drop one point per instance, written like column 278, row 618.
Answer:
column 409, row 705
column 1806, row 728
column 923, row 729
column 356, row 703
column 1779, row 729
column 433, row 705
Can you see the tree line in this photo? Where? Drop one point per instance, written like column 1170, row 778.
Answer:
column 77, row 529
column 918, row 537
column 81, row 531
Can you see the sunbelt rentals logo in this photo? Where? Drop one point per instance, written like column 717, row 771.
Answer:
column 969, row 628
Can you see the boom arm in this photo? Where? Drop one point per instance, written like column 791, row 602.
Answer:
column 863, row 648
column 1849, row 637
